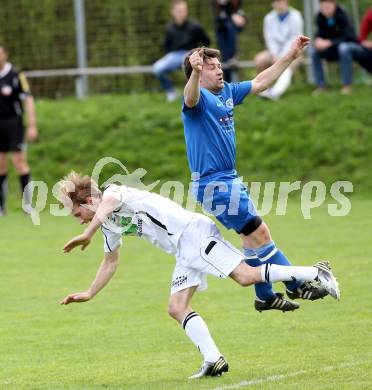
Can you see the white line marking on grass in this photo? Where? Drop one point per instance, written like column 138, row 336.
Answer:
column 281, row 377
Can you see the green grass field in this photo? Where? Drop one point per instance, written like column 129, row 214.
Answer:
column 124, row 339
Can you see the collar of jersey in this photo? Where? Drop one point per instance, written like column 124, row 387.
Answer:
column 6, row 69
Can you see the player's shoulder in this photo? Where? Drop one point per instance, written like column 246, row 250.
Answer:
column 12, row 68
column 228, row 88
column 113, row 189
column 9, row 71
column 109, row 187
column 15, row 72
column 192, row 111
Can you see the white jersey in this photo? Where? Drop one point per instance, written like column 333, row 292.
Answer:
column 280, row 34
column 147, row 215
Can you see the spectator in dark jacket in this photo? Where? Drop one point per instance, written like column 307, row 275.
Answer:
column 335, row 40
column 229, row 21
column 181, row 35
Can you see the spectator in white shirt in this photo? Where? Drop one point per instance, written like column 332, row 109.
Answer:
column 281, row 26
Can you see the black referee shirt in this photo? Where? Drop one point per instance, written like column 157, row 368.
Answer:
column 13, row 88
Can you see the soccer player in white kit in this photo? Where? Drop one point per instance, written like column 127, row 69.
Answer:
column 192, row 238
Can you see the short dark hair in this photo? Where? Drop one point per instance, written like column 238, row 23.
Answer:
column 207, row 53
column 328, row 1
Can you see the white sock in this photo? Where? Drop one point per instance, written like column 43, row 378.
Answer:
column 282, row 84
column 197, row 330
column 279, row 273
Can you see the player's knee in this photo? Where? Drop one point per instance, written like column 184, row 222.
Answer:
column 247, row 276
column 250, row 275
column 21, row 166
column 175, row 310
column 20, row 162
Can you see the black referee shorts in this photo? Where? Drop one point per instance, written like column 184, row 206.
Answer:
column 11, row 134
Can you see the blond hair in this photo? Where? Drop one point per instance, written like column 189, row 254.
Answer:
column 77, row 188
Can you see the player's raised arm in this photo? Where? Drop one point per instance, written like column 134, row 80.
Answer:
column 103, row 276
column 192, row 88
column 266, row 78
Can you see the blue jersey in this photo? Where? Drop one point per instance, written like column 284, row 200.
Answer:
column 209, row 129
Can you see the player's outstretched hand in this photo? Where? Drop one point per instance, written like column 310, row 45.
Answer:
column 81, row 240
column 76, row 297
column 299, row 45
column 196, row 60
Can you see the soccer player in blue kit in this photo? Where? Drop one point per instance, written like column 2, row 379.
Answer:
column 208, row 117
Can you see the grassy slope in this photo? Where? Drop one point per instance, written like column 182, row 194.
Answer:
column 124, row 339
column 300, row 137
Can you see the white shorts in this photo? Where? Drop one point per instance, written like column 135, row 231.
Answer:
column 201, row 251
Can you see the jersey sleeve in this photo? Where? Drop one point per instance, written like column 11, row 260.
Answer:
column 24, row 87
column 111, row 240
column 196, row 110
column 116, row 192
column 240, row 91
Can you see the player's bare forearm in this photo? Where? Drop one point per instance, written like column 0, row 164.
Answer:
column 192, row 90
column 30, row 110
column 32, row 132
column 104, row 274
column 268, row 77
column 94, row 225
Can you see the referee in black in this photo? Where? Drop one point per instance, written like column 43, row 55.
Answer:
column 13, row 90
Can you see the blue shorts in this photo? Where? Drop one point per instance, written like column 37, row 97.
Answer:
column 224, row 195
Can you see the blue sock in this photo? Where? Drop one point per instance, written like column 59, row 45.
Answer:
column 264, row 291
column 271, row 254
